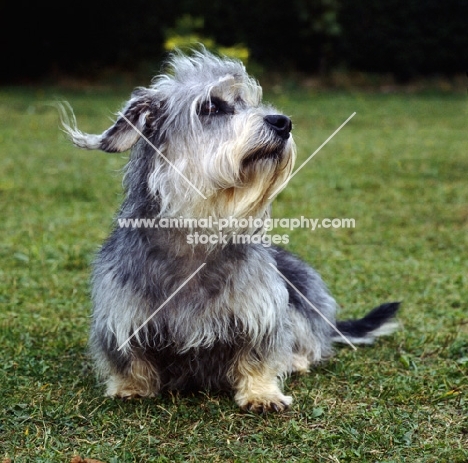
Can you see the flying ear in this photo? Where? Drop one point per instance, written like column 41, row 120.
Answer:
column 121, row 136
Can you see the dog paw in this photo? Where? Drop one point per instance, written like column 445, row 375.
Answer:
column 276, row 404
column 126, row 389
column 123, row 395
column 126, row 396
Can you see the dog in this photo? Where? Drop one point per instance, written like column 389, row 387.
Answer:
column 170, row 314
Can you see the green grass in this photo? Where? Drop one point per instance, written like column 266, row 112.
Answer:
column 399, row 168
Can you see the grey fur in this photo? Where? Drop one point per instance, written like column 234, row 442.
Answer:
column 237, row 324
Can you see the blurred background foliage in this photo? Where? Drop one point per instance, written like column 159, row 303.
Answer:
column 406, row 38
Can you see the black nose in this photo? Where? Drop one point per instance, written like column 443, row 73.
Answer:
column 282, row 125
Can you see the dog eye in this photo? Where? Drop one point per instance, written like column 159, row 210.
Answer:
column 208, row 108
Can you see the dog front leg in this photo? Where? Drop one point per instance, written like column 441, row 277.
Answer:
column 141, row 379
column 257, row 388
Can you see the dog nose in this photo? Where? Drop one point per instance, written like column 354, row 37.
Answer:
column 282, row 125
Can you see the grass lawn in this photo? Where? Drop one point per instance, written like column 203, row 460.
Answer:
column 399, row 168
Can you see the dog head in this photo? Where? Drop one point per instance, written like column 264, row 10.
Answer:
column 203, row 144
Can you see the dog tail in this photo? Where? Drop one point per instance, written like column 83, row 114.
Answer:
column 378, row 322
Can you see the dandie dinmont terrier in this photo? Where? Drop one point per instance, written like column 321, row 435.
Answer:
column 219, row 314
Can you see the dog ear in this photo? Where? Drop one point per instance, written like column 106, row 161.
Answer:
column 123, row 134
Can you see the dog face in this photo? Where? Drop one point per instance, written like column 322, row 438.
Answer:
column 213, row 149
